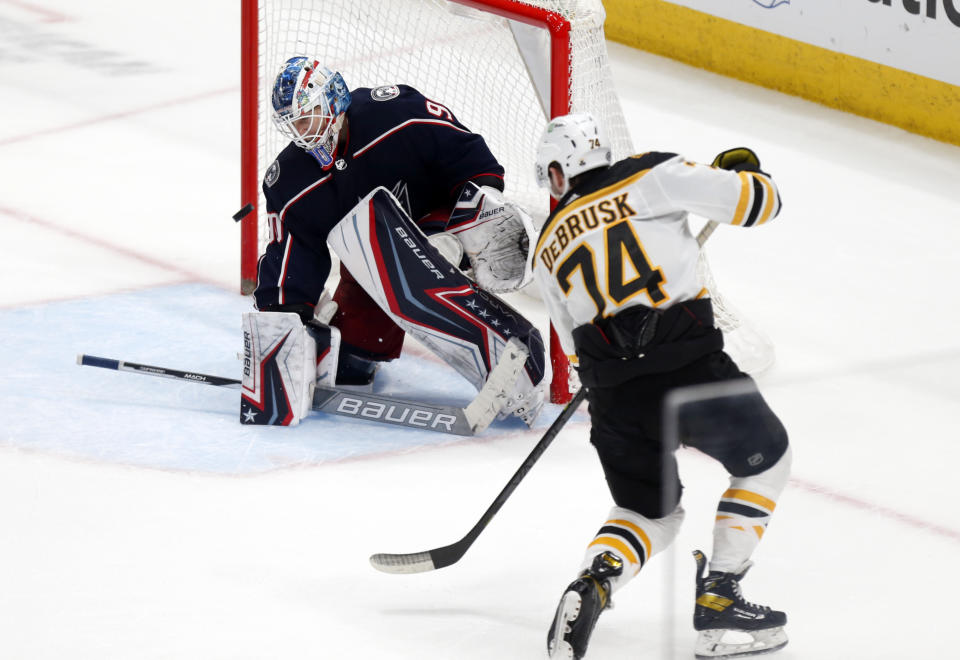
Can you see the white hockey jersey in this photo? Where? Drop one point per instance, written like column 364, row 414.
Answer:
column 622, row 238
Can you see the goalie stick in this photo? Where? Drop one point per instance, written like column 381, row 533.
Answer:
column 472, row 419
column 420, row 562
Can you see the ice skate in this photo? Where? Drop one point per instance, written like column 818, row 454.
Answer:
column 580, row 607
column 721, row 609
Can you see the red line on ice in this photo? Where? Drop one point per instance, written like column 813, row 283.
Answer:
column 48, row 15
column 116, row 115
column 112, row 247
column 886, row 512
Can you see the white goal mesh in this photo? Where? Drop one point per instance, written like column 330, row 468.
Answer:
column 750, row 348
column 494, row 73
column 463, row 57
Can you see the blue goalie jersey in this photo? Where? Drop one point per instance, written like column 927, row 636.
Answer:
column 393, row 137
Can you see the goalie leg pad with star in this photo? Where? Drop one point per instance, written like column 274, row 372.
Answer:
column 327, row 341
column 432, row 300
column 281, row 366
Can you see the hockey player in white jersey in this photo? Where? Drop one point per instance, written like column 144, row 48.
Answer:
column 616, row 264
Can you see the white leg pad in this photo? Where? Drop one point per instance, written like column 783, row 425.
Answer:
column 327, row 341
column 279, row 369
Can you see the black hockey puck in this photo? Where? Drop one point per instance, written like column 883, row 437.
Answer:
column 243, row 213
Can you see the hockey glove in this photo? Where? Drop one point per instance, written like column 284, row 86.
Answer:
column 739, row 159
column 496, row 236
column 448, row 246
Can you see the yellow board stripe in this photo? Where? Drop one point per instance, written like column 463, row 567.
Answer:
column 745, row 189
column 753, row 498
column 913, row 102
column 619, row 545
column 759, row 530
column 636, row 530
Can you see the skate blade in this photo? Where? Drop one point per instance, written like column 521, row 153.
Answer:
column 711, row 643
column 568, row 611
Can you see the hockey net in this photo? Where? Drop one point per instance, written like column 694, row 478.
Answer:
column 502, row 66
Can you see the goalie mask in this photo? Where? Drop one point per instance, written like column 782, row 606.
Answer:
column 574, row 142
column 309, row 102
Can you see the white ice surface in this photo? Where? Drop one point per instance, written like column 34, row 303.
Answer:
column 138, row 519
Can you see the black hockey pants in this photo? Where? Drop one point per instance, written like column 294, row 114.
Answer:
column 740, row 431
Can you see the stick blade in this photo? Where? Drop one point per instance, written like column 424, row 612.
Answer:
column 416, row 562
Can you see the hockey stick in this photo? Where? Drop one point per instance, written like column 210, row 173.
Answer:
column 478, row 414
column 420, row 562
column 706, row 231
column 430, row 560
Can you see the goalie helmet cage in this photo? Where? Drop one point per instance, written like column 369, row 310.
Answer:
column 501, row 66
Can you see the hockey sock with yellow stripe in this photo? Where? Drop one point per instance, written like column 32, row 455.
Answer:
column 743, row 514
column 634, row 539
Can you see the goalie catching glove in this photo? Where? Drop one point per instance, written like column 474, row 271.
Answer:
column 496, row 236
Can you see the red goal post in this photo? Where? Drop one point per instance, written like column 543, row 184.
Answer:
column 502, row 66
